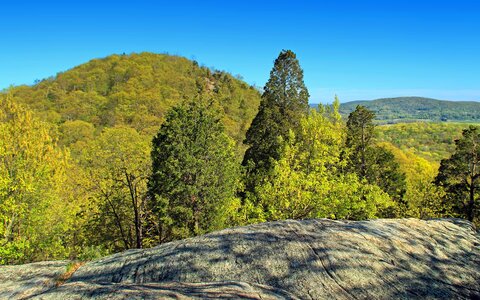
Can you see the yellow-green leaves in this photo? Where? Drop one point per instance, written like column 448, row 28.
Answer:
column 117, row 165
column 33, row 209
column 306, row 181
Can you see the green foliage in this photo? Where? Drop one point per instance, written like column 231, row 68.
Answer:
column 405, row 109
column 432, row 141
column 306, row 182
column 360, row 131
column 116, row 165
column 136, row 91
column 94, row 192
column 375, row 164
column 195, row 174
column 284, row 102
column 460, row 175
column 34, row 213
column 76, row 131
column 92, row 252
column 422, row 199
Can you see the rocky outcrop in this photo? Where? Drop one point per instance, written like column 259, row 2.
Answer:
column 311, row 259
column 23, row 281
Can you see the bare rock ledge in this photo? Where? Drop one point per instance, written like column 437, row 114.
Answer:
column 311, row 259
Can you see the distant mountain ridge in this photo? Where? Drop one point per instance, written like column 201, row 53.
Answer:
column 407, row 109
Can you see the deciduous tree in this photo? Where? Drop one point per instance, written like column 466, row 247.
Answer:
column 306, row 182
column 35, row 214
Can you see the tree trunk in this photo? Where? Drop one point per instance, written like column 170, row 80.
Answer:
column 119, row 223
column 471, row 202
column 137, row 220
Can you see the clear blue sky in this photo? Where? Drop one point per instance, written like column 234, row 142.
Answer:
column 356, row 49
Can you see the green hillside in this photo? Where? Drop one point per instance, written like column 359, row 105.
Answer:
column 405, row 109
column 135, row 90
column 433, row 141
column 81, row 176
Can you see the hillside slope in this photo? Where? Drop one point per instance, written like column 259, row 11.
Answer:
column 136, row 90
column 311, row 259
column 433, row 141
column 417, row 108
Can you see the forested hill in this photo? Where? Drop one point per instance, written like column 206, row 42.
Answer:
column 135, row 90
column 404, row 109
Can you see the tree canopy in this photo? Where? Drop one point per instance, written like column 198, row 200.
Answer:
column 460, row 175
column 195, row 174
column 369, row 161
column 80, row 176
column 283, row 103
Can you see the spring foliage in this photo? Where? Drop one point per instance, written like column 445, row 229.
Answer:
column 35, row 215
column 80, row 176
column 306, row 181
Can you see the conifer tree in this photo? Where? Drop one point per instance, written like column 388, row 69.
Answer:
column 284, row 102
column 375, row 164
column 460, row 175
column 194, row 172
column 360, row 131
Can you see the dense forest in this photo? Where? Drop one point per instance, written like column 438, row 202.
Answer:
column 433, row 141
column 408, row 109
column 134, row 91
column 135, row 150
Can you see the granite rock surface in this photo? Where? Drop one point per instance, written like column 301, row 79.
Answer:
column 310, row 259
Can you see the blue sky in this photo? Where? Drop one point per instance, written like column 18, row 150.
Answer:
column 355, row 49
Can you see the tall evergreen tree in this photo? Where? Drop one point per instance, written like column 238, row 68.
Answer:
column 375, row 164
column 360, row 131
column 284, row 102
column 195, row 173
column 460, row 175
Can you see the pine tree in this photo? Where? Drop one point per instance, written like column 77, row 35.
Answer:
column 375, row 164
column 284, row 102
column 194, row 172
column 460, row 175
column 360, row 131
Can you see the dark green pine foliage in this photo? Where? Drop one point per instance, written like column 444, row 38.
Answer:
column 375, row 164
column 284, row 102
column 195, row 174
column 460, row 175
column 384, row 171
column 360, row 132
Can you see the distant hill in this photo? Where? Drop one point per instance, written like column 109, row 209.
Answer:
column 407, row 109
column 135, row 91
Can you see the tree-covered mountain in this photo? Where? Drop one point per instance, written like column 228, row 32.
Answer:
column 135, row 90
column 80, row 176
column 75, row 151
column 405, row 109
